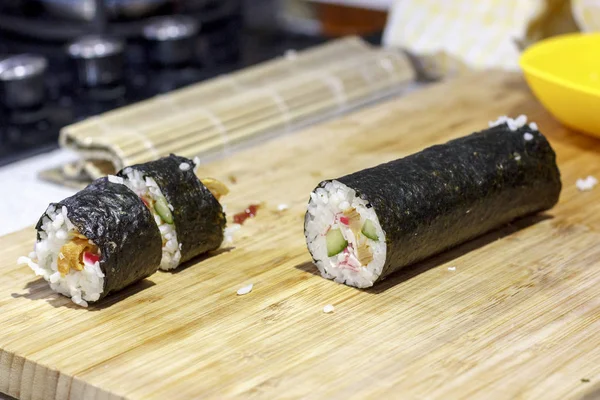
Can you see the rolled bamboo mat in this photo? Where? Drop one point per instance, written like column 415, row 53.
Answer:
column 225, row 86
column 190, row 125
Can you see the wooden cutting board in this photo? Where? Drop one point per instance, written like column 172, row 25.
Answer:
column 514, row 314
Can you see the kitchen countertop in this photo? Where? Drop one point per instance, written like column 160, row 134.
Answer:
column 25, row 195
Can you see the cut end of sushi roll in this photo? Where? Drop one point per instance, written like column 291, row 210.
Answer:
column 344, row 236
column 66, row 259
column 149, row 191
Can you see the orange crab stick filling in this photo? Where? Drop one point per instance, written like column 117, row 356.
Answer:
column 73, row 253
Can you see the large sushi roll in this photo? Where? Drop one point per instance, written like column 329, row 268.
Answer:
column 187, row 211
column 362, row 227
column 96, row 242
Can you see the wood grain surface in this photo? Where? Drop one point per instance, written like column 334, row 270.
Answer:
column 517, row 317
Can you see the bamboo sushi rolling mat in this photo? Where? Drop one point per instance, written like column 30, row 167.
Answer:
column 216, row 116
column 517, row 317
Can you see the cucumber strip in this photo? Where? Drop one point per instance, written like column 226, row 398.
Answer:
column 369, row 231
column 335, row 242
column 162, row 209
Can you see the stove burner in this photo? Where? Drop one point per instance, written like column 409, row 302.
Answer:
column 21, row 67
column 169, row 28
column 171, row 39
column 22, row 81
column 99, row 60
column 95, row 46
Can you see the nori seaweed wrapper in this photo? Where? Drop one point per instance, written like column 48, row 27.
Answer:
column 450, row 193
column 198, row 216
column 118, row 222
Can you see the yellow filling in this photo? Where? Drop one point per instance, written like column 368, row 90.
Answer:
column 71, row 254
column 216, row 187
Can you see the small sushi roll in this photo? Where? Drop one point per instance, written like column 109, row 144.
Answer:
column 96, row 242
column 362, row 227
column 187, row 212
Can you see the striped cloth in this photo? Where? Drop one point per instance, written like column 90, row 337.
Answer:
column 449, row 36
column 587, row 14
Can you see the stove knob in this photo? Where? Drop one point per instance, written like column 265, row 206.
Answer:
column 98, row 59
column 171, row 39
column 22, row 81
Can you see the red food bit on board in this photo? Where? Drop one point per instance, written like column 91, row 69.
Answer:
column 345, row 220
column 90, row 257
column 249, row 212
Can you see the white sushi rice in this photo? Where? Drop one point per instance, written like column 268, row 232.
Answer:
column 586, row 184
column 115, row 179
column 147, row 187
column 324, row 205
column 245, row 289
column 228, row 234
column 514, row 123
column 80, row 286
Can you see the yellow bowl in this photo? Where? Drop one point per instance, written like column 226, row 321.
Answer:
column 564, row 74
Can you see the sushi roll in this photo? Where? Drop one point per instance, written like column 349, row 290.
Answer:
column 187, row 211
column 96, row 242
column 362, row 227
